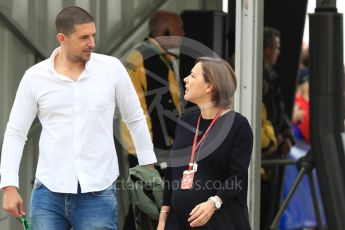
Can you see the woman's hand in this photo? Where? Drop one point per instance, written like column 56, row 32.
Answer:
column 201, row 214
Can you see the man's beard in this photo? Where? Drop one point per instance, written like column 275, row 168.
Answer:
column 80, row 59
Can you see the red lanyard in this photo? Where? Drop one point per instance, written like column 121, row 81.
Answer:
column 197, row 143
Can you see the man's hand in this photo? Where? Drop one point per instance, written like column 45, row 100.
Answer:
column 12, row 202
column 285, row 147
column 201, row 214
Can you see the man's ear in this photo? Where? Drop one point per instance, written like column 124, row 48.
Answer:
column 60, row 37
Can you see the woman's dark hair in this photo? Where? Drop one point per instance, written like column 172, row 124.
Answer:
column 69, row 17
column 221, row 76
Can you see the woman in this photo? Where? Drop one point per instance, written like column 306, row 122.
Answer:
column 210, row 156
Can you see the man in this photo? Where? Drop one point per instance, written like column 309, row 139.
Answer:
column 74, row 94
column 272, row 94
column 273, row 102
column 153, row 73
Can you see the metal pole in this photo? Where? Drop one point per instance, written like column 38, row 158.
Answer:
column 294, row 186
column 327, row 108
column 278, row 162
column 326, row 5
column 22, row 35
column 248, row 65
column 315, row 201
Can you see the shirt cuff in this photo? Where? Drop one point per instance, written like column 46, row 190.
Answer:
column 9, row 179
column 146, row 157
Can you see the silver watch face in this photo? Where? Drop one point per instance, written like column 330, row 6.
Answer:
column 216, row 202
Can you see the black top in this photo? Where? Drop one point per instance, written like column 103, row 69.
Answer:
column 272, row 97
column 222, row 170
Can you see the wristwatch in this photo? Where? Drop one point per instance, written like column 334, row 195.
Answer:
column 216, row 201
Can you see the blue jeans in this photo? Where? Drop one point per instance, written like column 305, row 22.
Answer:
column 63, row 211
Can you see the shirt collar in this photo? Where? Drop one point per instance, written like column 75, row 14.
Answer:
column 85, row 73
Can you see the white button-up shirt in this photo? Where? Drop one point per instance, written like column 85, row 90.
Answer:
column 76, row 143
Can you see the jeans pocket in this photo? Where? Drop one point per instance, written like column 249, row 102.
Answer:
column 110, row 191
column 37, row 184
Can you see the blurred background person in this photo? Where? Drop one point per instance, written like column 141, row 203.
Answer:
column 273, row 104
column 152, row 68
column 154, row 74
column 300, row 117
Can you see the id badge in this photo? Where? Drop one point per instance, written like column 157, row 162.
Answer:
column 187, row 179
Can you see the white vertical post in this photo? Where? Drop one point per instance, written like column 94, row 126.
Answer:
column 248, row 67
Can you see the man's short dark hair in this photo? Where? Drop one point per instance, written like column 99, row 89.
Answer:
column 71, row 16
column 269, row 35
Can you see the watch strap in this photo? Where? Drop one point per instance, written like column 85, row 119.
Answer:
column 217, row 203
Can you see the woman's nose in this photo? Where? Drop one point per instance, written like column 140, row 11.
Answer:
column 185, row 79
